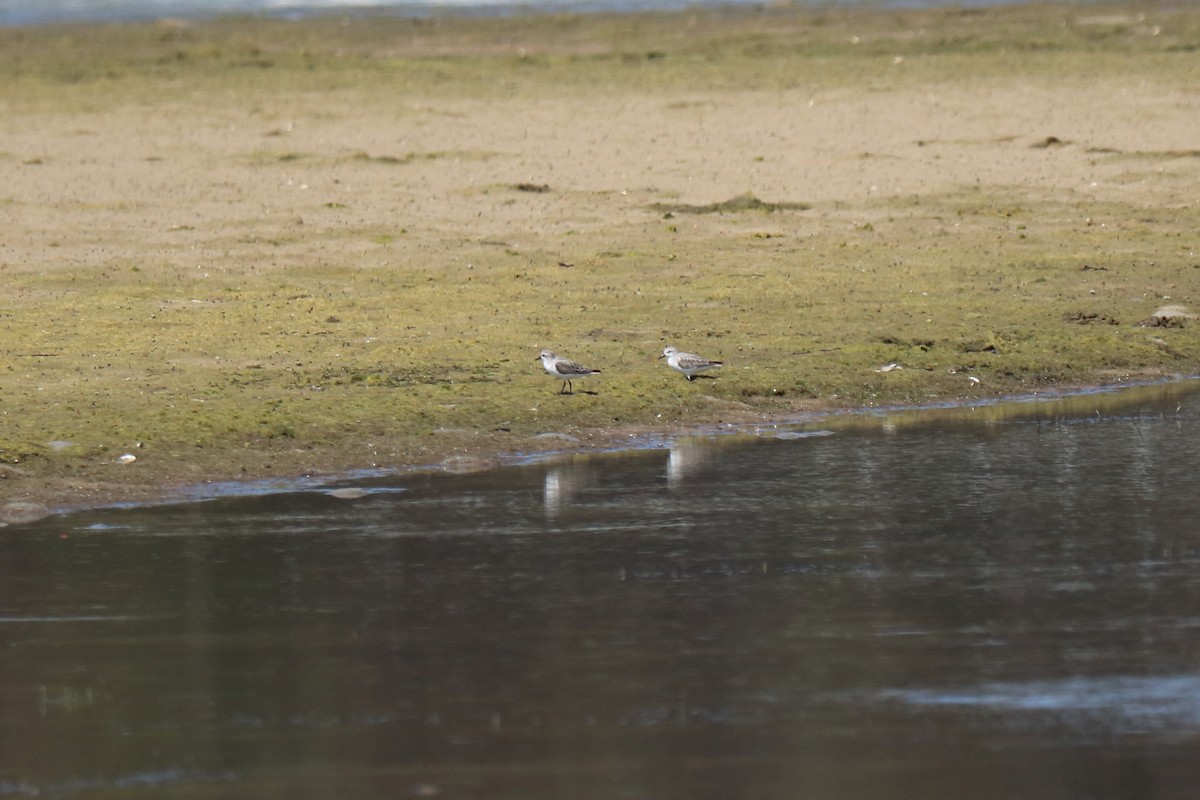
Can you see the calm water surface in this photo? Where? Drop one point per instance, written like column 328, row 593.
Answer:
column 1001, row 602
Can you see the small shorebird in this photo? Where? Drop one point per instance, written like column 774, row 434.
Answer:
column 687, row 363
column 564, row 369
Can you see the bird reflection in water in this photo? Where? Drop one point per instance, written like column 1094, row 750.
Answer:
column 563, row 482
column 687, row 456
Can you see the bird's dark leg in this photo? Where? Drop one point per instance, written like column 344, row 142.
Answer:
column 691, row 377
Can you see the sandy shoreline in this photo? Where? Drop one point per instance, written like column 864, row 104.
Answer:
column 244, row 250
column 43, row 499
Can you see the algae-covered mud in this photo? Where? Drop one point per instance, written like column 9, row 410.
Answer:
column 245, row 248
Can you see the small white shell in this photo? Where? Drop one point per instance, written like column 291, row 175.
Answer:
column 127, row 458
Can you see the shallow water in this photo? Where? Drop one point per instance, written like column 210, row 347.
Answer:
column 992, row 602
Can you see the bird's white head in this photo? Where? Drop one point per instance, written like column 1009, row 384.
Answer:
column 668, row 351
column 546, row 354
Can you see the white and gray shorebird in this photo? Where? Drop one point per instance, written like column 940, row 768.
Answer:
column 687, row 363
column 564, row 369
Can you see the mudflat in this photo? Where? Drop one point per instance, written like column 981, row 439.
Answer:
column 245, row 248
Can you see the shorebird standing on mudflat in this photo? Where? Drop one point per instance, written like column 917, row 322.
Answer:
column 564, row 369
column 687, row 363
